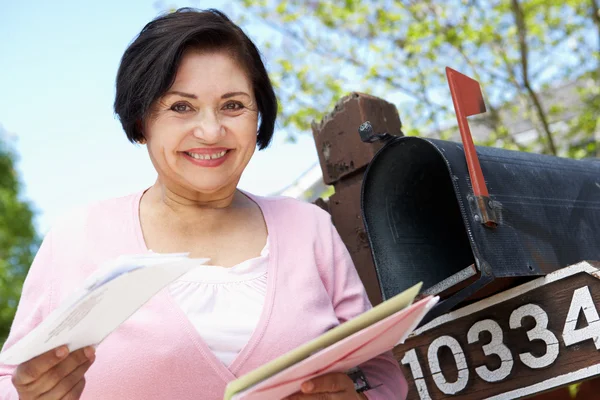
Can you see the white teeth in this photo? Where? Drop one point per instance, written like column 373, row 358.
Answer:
column 213, row 156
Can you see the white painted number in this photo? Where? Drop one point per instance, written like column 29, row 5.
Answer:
column 582, row 300
column 411, row 359
column 495, row 346
column 539, row 332
column 459, row 358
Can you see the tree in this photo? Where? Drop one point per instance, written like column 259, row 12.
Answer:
column 18, row 239
column 519, row 50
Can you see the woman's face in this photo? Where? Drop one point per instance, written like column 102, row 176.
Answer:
column 202, row 133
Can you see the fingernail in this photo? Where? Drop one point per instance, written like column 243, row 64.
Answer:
column 89, row 352
column 307, row 386
column 61, row 352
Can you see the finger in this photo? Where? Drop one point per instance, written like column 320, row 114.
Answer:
column 67, row 384
column 75, row 393
column 53, row 376
column 301, row 396
column 318, row 396
column 31, row 370
column 328, row 383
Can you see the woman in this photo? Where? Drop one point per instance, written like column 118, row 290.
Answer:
column 193, row 89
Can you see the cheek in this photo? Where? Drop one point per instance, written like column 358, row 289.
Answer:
column 249, row 144
column 163, row 140
column 248, row 131
column 162, row 150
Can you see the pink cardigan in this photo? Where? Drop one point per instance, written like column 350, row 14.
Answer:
column 157, row 354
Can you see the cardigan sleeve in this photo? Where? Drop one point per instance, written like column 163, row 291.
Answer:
column 33, row 306
column 349, row 300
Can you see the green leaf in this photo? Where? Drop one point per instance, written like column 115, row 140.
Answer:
column 398, row 51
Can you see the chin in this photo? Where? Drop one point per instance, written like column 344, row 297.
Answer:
column 211, row 187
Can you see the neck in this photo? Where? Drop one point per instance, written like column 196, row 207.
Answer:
column 191, row 205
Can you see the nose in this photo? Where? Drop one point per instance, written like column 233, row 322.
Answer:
column 208, row 128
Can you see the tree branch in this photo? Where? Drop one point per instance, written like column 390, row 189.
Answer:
column 329, row 53
column 494, row 114
column 522, row 32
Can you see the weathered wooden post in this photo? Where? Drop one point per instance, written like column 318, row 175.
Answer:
column 344, row 158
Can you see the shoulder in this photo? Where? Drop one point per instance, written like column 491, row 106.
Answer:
column 91, row 218
column 83, row 238
column 289, row 209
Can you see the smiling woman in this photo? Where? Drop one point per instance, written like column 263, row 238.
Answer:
column 193, row 89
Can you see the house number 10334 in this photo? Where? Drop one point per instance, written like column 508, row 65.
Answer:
column 581, row 301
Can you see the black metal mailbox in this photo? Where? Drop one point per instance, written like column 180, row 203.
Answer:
column 424, row 222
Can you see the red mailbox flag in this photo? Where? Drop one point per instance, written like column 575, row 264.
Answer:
column 468, row 100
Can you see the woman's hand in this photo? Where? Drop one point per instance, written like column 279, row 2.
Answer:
column 54, row 375
column 334, row 386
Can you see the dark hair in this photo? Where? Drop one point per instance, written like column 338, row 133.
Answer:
column 149, row 65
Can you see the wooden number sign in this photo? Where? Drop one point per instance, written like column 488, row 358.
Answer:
column 535, row 337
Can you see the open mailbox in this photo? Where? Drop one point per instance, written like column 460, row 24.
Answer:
column 430, row 216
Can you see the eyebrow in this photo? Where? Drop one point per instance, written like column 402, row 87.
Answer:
column 193, row 96
column 182, row 94
column 233, row 94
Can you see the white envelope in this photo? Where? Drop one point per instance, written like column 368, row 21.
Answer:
column 106, row 300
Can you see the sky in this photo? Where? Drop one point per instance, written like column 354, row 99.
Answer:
column 58, row 61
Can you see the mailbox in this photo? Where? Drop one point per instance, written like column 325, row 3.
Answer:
column 467, row 234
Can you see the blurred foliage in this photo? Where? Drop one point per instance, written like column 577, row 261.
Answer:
column 18, row 239
column 519, row 50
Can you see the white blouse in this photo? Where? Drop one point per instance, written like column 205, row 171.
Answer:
column 224, row 304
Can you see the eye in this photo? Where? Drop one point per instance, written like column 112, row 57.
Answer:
column 181, row 107
column 233, row 105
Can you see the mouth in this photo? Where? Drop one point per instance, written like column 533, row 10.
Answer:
column 212, row 156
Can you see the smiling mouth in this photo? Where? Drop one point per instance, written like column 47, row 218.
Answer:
column 213, row 156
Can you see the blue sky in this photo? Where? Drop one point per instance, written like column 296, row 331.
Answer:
column 58, row 61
